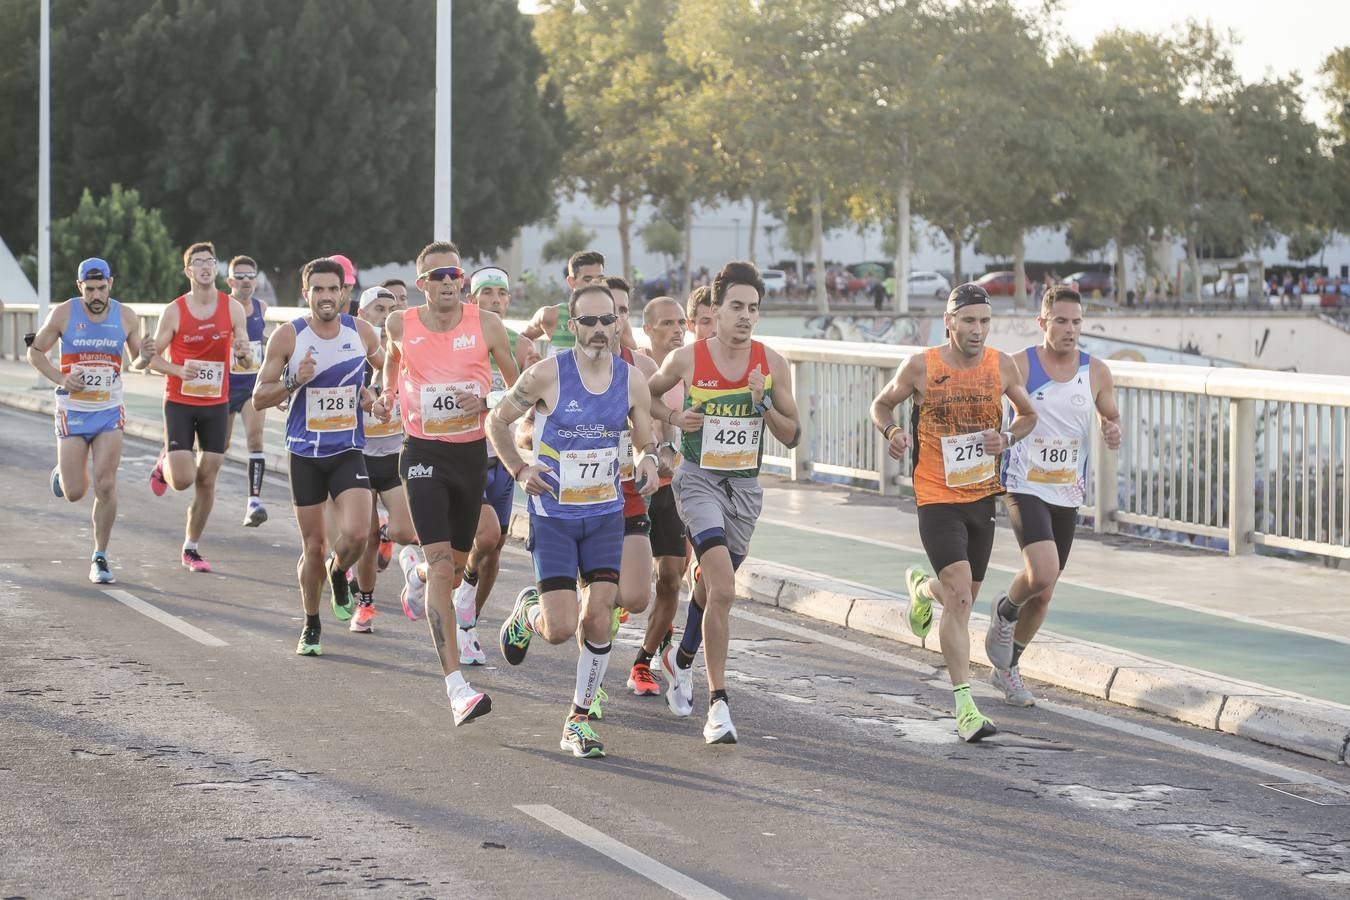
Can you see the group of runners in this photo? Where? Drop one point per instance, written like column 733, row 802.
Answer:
column 633, row 462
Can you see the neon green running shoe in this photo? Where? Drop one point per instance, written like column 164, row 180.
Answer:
column 581, row 739
column 973, row 725
column 309, row 643
column 919, row 609
column 619, row 614
column 595, row 712
column 514, row 636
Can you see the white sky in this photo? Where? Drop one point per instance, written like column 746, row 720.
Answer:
column 1288, row 36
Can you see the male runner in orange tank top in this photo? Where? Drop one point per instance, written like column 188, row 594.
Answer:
column 959, row 388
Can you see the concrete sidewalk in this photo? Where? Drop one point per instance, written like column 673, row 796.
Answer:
column 1250, row 645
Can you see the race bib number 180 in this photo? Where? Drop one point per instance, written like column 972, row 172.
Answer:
column 1052, row 460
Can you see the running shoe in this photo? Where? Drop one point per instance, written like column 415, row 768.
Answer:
column 679, row 683
column 466, row 609
column 414, row 596
column 56, row 483
column 468, row 704
column 998, row 640
column 256, row 514
column 157, row 483
column 642, row 682
column 616, row 616
column 99, row 570
column 309, row 642
column 972, row 725
column 365, row 615
column 719, row 728
column 470, row 650
column 596, row 711
column 666, row 641
column 579, row 737
column 337, row 580
column 1015, row 692
column 386, row 551
column 514, row 636
column 919, row 608
column 192, row 560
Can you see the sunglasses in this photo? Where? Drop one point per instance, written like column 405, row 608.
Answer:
column 592, row 321
column 245, row 276
column 454, row 273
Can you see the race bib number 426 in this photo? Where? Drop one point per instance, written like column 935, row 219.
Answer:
column 730, row 444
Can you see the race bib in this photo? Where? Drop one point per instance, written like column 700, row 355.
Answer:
column 255, row 349
column 442, row 414
column 730, row 444
column 377, row 429
column 209, row 381
column 626, row 464
column 1052, row 460
column 330, row 408
column 964, row 461
column 98, row 382
column 587, row 476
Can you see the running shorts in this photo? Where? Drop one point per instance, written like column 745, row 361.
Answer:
column 565, row 548
column 958, row 532
column 1033, row 520
column 667, row 527
column 206, row 425
column 499, row 492
column 444, row 482
column 383, row 471
column 710, row 504
column 314, row 479
column 89, row 425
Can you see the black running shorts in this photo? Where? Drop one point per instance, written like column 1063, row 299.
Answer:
column 1033, row 520
column 204, row 426
column 316, row 478
column 383, row 471
column 445, row 484
column 958, row 532
column 667, row 528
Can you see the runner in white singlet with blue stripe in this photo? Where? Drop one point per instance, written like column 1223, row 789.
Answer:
column 1045, row 477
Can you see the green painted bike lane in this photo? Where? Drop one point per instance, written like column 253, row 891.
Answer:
column 1307, row 665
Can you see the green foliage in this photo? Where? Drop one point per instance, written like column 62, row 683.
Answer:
column 566, row 240
column 662, row 238
column 291, row 130
column 147, row 266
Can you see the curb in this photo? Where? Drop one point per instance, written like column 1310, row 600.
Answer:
column 1266, row 715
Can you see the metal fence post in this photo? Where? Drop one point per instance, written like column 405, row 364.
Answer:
column 1106, row 497
column 888, row 470
column 1241, row 476
column 802, row 389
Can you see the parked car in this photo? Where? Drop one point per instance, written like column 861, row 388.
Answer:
column 928, row 284
column 1001, row 284
column 775, row 282
column 1091, row 284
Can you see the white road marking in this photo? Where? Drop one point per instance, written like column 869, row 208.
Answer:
column 676, row 882
column 1101, row 720
column 159, row 615
column 1150, row 598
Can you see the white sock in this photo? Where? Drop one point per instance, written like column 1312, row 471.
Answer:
column 591, row 666
column 453, row 682
column 189, row 545
column 532, row 617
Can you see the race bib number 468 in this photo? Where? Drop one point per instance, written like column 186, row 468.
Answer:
column 441, row 412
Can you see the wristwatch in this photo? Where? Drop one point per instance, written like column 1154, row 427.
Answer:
column 764, row 405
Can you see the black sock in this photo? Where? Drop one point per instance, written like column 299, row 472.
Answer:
column 1007, row 611
column 719, row 694
column 366, row 597
column 257, row 464
column 643, row 658
column 1017, row 653
column 312, row 620
column 682, row 659
column 471, row 576
column 578, row 711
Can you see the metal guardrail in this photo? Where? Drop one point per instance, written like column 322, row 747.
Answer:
column 1240, row 458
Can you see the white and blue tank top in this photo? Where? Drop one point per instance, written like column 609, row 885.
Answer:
column 94, row 349
column 325, row 416
column 1051, row 462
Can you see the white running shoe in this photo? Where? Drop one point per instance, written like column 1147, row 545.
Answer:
column 998, row 640
column 1015, row 692
column 468, row 704
column 679, row 683
column 470, row 650
column 255, row 514
column 466, row 610
column 414, row 596
column 719, row 728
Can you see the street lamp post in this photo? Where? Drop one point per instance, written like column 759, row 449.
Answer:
column 44, row 285
column 442, row 224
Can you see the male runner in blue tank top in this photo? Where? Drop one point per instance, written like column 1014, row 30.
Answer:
column 89, row 415
column 1045, row 476
column 318, row 363
column 243, row 278
column 583, row 399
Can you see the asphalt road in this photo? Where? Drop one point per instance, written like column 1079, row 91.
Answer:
column 135, row 760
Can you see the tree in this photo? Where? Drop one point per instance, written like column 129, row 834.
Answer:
column 306, row 129
column 146, row 263
column 567, row 240
column 663, row 239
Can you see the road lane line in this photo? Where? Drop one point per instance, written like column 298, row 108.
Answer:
column 160, row 616
column 1253, row 763
column 676, row 882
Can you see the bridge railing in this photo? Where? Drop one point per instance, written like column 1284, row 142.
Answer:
column 1234, row 458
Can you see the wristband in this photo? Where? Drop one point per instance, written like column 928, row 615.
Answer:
column 670, row 417
column 889, row 430
column 289, row 383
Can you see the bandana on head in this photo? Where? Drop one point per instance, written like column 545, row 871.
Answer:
column 488, row 277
